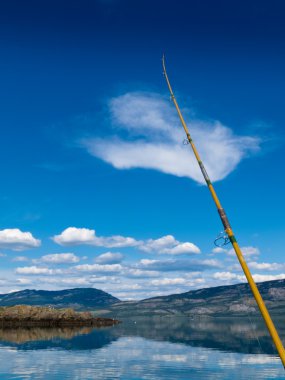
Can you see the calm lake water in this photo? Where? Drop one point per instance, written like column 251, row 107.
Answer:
column 160, row 348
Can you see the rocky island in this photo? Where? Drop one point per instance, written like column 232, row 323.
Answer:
column 30, row 316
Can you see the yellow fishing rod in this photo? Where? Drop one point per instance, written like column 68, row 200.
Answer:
column 229, row 232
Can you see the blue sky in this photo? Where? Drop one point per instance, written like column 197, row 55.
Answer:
column 97, row 188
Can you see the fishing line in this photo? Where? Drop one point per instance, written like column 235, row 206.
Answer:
column 228, row 230
column 251, row 323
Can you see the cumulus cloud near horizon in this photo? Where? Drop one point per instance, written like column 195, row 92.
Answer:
column 167, row 244
column 246, row 251
column 79, row 236
column 230, row 276
column 109, row 258
column 59, row 258
column 99, row 268
column 35, row 270
column 174, row 265
column 153, row 140
column 17, row 240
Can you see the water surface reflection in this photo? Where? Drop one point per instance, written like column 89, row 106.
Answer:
column 227, row 334
column 151, row 349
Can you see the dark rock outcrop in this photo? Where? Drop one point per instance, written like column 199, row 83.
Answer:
column 24, row 315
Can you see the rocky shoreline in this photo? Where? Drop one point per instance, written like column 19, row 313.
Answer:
column 33, row 316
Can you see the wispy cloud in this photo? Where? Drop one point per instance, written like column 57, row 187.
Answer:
column 231, row 277
column 177, row 281
column 266, row 266
column 153, row 140
column 34, row 270
column 20, row 258
column 24, row 281
column 219, row 250
column 98, row 268
column 109, row 258
column 246, row 251
column 58, row 258
column 173, row 265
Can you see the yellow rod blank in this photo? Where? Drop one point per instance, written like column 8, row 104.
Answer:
column 263, row 310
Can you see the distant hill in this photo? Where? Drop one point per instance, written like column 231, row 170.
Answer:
column 78, row 298
column 232, row 300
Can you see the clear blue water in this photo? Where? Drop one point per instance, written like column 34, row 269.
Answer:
column 168, row 348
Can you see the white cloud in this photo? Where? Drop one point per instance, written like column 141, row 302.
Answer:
column 15, row 239
column 132, row 272
column 148, row 262
column 79, row 236
column 260, row 359
column 130, row 287
column 182, row 248
column 74, row 281
column 104, row 279
column 219, row 250
column 158, row 244
column 173, row 265
column 165, row 245
column 156, row 140
column 226, row 276
column 64, row 281
column 168, row 245
column 110, row 268
column 109, row 258
column 24, row 281
column 75, row 236
column 59, row 258
column 20, row 258
column 210, row 262
column 268, row 277
column 174, row 281
column 168, row 281
column 37, row 270
column 246, row 251
column 266, row 266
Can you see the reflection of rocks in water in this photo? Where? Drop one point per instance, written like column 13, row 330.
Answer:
column 226, row 334
column 66, row 338
column 21, row 335
column 231, row 334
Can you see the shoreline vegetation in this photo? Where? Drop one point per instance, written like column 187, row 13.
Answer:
column 34, row 316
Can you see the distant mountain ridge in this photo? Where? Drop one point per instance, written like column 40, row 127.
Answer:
column 77, row 298
column 229, row 300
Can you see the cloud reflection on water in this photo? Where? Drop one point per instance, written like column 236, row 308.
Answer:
column 149, row 349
